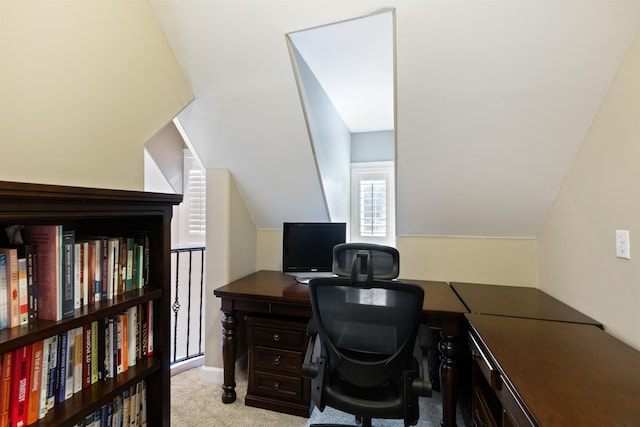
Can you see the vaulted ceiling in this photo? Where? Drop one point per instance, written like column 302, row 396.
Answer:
column 493, row 101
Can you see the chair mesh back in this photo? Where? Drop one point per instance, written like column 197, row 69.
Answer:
column 385, row 260
column 366, row 330
column 374, row 322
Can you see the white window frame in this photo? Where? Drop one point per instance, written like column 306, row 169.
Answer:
column 368, row 170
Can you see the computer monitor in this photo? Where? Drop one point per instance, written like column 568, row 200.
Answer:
column 307, row 248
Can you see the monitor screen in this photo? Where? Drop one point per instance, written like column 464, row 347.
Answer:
column 307, row 247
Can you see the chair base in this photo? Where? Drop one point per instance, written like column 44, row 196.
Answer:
column 360, row 422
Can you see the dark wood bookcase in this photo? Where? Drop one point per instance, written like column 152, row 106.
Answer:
column 102, row 212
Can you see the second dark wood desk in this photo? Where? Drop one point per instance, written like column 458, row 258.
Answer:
column 549, row 373
column 274, row 293
column 517, row 301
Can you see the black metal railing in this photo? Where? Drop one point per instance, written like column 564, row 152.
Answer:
column 187, row 266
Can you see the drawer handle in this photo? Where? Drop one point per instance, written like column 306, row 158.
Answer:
column 276, row 337
column 276, row 386
column 276, row 360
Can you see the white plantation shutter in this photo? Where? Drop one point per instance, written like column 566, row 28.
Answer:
column 373, row 207
column 194, row 202
column 372, row 199
column 196, row 214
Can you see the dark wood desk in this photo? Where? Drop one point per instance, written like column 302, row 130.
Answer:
column 274, row 293
column 548, row 373
column 518, row 301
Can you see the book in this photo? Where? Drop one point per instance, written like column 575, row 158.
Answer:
column 132, row 338
column 94, row 351
column 120, row 361
column 101, row 244
column 12, row 285
column 86, row 366
column 70, row 365
column 48, row 242
column 133, row 406
column 44, row 377
column 5, row 387
column 78, row 359
column 35, row 383
column 4, row 293
column 68, row 278
column 144, row 330
column 32, row 280
column 110, row 371
column 23, row 291
column 129, row 244
column 149, row 328
column 61, row 380
column 77, row 275
column 19, row 387
column 101, row 348
column 111, row 268
column 52, row 376
column 126, row 407
column 143, row 404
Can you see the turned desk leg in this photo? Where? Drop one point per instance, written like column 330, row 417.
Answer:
column 449, row 373
column 229, row 346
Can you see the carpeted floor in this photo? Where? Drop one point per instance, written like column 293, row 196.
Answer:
column 195, row 402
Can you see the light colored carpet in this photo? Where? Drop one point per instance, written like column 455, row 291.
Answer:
column 197, row 403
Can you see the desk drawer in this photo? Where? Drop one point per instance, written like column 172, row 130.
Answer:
column 276, row 333
column 283, row 387
column 485, row 365
column 274, row 359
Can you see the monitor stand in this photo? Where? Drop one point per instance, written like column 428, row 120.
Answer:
column 305, row 277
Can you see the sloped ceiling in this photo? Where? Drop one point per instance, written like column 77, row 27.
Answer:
column 494, row 99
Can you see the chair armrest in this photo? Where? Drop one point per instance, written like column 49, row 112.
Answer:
column 309, row 367
column 422, row 384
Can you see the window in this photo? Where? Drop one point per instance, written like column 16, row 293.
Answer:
column 372, row 203
column 194, row 202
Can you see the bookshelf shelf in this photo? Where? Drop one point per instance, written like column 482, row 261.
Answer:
column 112, row 213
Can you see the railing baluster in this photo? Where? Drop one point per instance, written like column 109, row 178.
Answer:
column 189, row 304
column 201, row 299
column 190, row 316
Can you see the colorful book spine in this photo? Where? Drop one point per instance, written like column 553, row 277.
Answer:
column 4, row 293
column 5, row 387
column 33, row 402
column 86, row 366
column 12, row 285
column 70, row 365
column 78, row 359
column 61, row 380
column 132, row 336
column 48, row 242
column 44, row 377
column 20, row 387
column 68, row 278
column 53, row 372
column 32, row 280
column 23, row 291
column 94, row 351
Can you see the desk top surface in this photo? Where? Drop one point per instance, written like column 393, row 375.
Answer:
column 566, row 374
column 517, row 301
column 276, row 286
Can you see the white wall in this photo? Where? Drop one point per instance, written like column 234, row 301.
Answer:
column 576, row 245
column 83, row 86
column 493, row 261
column 331, row 141
column 231, row 254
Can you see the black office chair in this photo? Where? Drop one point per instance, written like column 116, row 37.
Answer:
column 363, row 357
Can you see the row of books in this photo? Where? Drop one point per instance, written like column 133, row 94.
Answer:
column 39, row 376
column 48, row 272
column 127, row 410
